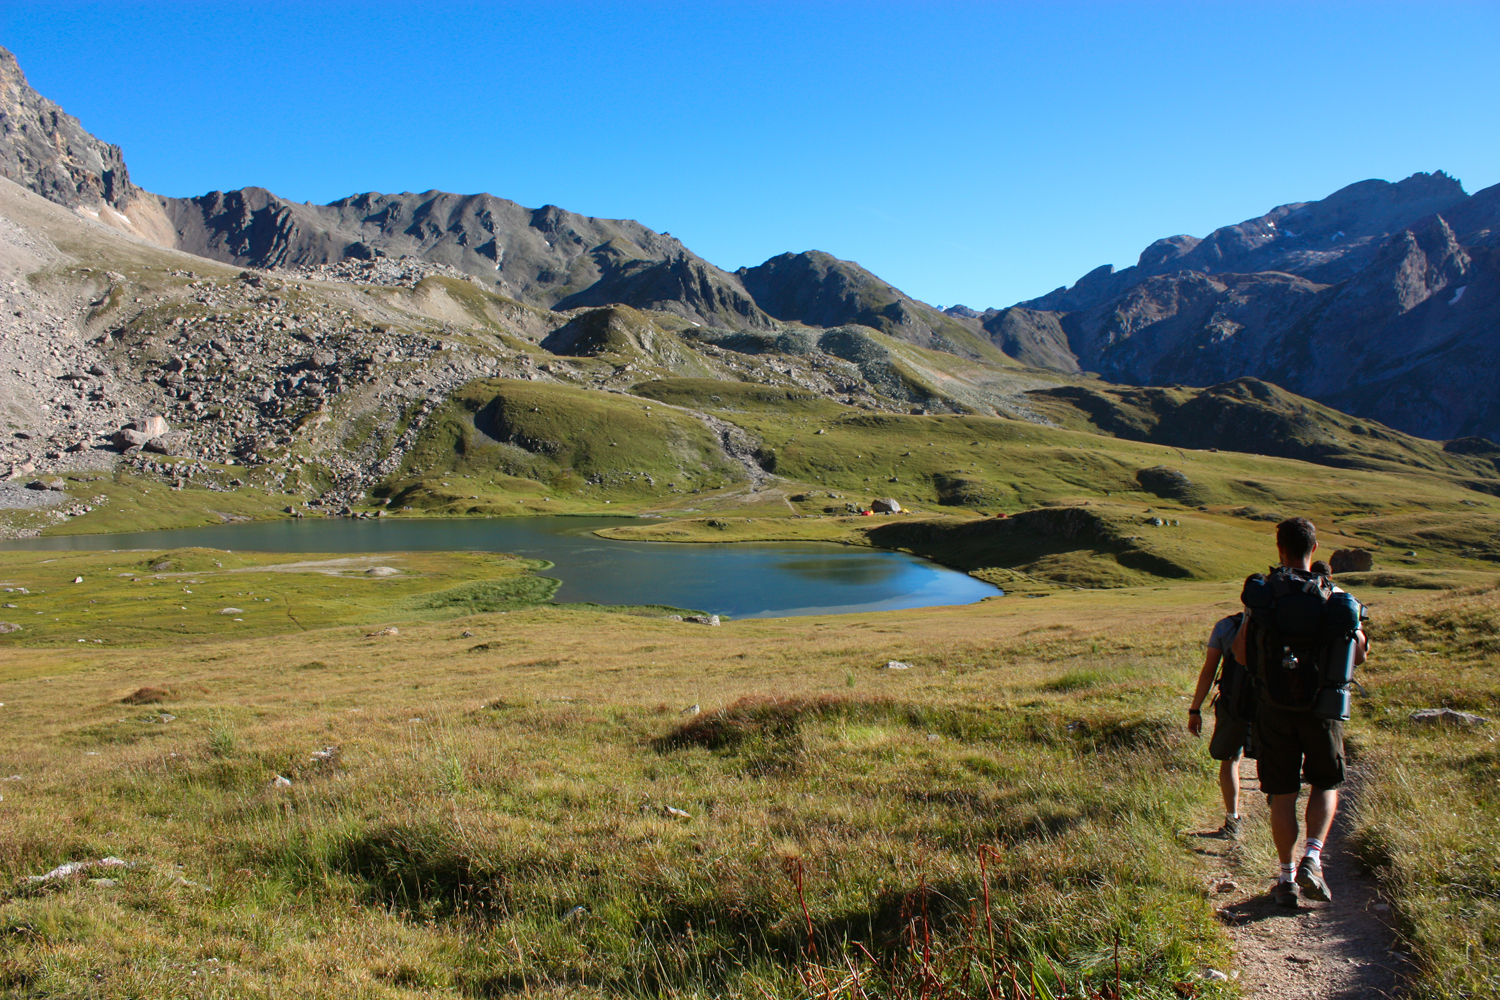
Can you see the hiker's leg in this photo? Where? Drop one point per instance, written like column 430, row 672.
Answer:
column 1322, row 804
column 1227, row 747
column 1229, row 785
column 1284, row 825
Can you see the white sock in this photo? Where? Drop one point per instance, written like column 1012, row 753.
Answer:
column 1287, row 871
column 1314, row 850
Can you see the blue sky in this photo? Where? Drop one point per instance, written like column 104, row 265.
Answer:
column 966, row 152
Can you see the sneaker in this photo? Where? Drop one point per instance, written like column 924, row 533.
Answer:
column 1285, row 893
column 1310, row 877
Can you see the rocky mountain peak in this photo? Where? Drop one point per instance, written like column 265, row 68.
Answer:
column 44, row 148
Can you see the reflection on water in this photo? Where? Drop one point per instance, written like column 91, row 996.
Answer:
column 841, row 568
column 741, row 580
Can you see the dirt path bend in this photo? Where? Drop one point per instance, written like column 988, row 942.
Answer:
column 1320, row 951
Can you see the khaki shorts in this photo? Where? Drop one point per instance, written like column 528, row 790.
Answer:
column 1297, row 747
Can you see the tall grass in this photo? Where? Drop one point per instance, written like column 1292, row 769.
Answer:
column 1427, row 821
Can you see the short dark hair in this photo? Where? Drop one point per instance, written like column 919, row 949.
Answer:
column 1297, row 537
column 1321, row 568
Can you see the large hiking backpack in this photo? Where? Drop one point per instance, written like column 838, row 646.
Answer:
column 1300, row 641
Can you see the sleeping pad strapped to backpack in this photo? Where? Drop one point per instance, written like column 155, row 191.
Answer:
column 1300, row 641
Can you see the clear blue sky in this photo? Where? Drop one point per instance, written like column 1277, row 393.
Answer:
column 966, row 152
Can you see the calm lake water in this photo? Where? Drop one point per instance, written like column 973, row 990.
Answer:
column 741, row 579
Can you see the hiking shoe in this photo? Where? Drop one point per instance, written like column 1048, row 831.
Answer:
column 1285, row 893
column 1310, row 877
column 1230, row 830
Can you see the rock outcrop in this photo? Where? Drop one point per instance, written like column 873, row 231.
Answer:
column 47, row 150
column 1351, row 561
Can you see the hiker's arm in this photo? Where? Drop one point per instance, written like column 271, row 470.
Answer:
column 1361, row 647
column 1205, row 680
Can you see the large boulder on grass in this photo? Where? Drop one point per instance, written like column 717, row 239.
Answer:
column 1351, row 561
column 885, row 505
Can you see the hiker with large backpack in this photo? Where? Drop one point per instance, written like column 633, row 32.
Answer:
column 1300, row 643
column 1234, row 708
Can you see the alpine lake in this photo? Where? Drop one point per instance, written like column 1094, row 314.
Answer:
column 736, row 579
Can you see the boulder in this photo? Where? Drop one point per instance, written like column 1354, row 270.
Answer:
column 1447, row 716
column 1351, row 561
column 164, row 444
column 127, row 438
column 885, row 505
column 152, row 427
column 55, row 485
column 9, row 627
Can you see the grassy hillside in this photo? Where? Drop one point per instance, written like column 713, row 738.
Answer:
column 517, row 444
column 1249, row 415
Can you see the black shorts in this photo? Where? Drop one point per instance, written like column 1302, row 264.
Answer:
column 1231, row 736
column 1297, row 747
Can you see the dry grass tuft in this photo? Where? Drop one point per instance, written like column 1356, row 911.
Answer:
column 146, row 696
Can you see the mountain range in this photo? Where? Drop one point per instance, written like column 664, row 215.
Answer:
column 1381, row 300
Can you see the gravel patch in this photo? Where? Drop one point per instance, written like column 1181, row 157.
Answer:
column 15, row 496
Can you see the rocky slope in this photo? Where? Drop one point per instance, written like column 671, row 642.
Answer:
column 1382, row 300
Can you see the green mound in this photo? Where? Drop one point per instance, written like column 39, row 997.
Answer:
column 1082, row 546
column 516, row 437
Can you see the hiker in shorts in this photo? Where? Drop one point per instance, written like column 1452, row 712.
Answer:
column 1231, row 735
column 1293, row 747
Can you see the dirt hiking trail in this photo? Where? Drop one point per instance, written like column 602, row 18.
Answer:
column 1320, row 951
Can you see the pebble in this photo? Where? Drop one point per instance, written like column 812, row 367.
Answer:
column 896, row 665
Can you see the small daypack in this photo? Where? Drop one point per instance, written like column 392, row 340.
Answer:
column 1236, row 687
column 1300, row 641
